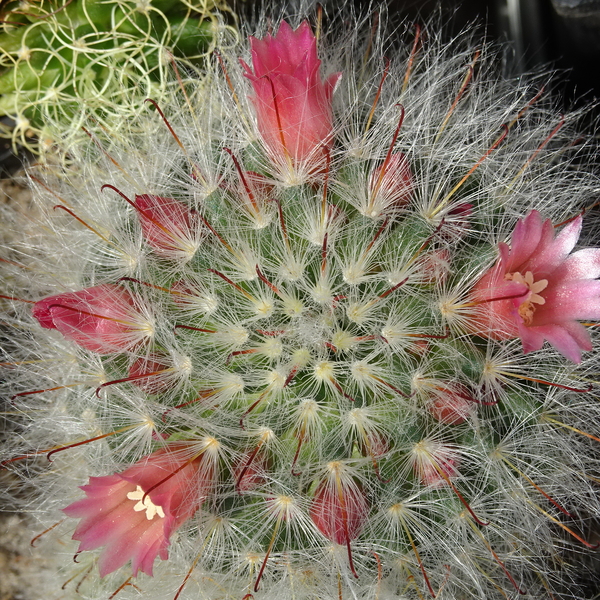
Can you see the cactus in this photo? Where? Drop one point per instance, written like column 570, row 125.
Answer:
column 57, row 57
column 317, row 330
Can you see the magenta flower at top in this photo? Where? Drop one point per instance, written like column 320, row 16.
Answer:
column 134, row 513
column 538, row 291
column 103, row 319
column 293, row 105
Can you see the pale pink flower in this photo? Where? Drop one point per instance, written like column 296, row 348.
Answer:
column 134, row 513
column 103, row 319
column 434, row 464
column 293, row 105
column 339, row 508
column 538, row 291
column 168, row 226
column 451, row 403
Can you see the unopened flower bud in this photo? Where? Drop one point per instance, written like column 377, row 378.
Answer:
column 451, row 404
column 103, row 319
column 168, row 226
column 293, row 105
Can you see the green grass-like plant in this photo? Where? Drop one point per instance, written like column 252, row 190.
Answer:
column 64, row 60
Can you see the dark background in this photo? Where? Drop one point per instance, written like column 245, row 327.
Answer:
column 564, row 33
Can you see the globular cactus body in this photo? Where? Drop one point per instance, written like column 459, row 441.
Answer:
column 370, row 396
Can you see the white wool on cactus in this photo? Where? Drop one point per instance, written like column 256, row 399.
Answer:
column 325, row 329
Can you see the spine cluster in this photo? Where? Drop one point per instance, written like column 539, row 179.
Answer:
column 317, row 331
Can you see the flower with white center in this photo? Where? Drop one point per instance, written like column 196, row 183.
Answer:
column 144, row 503
column 170, row 484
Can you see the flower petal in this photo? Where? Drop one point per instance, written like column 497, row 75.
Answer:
column 525, row 239
column 105, row 529
column 572, row 300
column 120, row 550
column 531, row 338
column 551, row 253
column 502, row 291
column 559, row 337
column 579, row 333
column 144, row 561
column 583, row 264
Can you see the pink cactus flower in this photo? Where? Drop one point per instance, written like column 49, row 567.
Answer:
column 339, row 508
column 390, row 186
column 168, row 226
column 134, row 513
column 435, row 464
column 451, row 404
column 538, row 291
column 293, row 105
column 103, row 319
